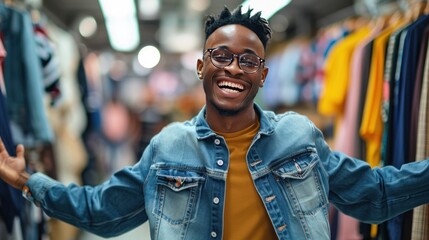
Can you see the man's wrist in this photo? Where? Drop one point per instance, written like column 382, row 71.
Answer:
column 22, row 180
column 26, row 192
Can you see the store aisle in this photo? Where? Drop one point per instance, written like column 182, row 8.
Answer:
column 140, row 233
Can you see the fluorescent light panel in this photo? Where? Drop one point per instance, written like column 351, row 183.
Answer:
column 267, row 8
column 121, row 23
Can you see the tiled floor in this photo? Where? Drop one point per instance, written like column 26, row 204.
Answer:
column 140, row 233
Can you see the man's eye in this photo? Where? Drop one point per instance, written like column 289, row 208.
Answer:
column 249, row 62
column 222, row 58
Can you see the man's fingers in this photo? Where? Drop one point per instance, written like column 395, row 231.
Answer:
column 20, row 151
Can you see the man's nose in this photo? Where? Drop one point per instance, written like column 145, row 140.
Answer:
column 234, row 67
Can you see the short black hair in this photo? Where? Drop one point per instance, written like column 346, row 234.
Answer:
column 256, row 23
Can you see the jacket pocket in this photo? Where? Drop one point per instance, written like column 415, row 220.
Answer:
column 177, row 195
column 300, row 183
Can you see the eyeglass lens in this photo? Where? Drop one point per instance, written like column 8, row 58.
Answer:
column 248, row 62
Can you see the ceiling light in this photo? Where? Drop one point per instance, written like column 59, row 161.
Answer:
column 117, row 9
column 149, row 9
column 198, row 5
column 268, row 9
column 149, row 56
column 121, row 23
column 87, row 27
column 179, row 31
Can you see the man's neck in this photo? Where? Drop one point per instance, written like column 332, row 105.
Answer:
column 233, row 123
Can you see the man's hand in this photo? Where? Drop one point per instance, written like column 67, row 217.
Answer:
column 12, row 169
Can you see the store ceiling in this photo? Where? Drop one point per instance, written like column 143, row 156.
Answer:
column 305, row 14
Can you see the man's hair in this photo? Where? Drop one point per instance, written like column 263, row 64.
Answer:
column 256, row 23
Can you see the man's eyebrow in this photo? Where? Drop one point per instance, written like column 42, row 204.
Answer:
column 247, row 50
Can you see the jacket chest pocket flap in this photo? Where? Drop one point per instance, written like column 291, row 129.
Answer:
column 177, row 195
column 296, row 167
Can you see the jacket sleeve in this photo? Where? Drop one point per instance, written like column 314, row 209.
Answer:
column 372, row 195
column 109, row 209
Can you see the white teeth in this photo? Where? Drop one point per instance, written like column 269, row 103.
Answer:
column 231, row 85
column 230, row 90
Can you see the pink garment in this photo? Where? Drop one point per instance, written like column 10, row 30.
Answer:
column 2, row 57
column 348, row 227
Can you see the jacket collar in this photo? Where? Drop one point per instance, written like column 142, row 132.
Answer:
column 265, row 118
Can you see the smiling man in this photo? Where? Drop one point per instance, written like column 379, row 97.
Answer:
column 234, row 171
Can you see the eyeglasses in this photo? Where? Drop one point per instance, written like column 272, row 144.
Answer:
column 221, row 57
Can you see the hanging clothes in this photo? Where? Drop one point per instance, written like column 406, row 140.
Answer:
column 420, row 223
column 337, row 72
column 415, row 101
column 11, row 201
column 281, row 87
column 23, row 79
column 394, row 47
column 405, row 87
column 371, row 128
column 49, row 62
column 344, row 140
column 403, row 100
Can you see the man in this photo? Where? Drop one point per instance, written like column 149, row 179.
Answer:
column 234, row 171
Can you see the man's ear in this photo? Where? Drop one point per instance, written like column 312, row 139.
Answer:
column 200, row 65
column 263, row 76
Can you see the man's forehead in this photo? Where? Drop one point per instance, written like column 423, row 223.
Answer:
column 234, row 31
column 233, row 28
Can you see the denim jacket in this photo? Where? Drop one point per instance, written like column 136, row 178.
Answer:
column 179, row 184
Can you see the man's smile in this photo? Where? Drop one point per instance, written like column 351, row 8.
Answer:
column 231, row 86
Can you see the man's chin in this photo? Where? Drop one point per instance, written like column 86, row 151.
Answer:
column 227, row 112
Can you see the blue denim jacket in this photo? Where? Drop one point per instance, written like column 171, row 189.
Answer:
column 179, row 184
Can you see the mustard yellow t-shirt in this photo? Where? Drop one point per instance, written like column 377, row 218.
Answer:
column 245, row 216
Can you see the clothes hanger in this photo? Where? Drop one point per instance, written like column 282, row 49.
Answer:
column 426, row 10
column 417, row 9
column 413, row 10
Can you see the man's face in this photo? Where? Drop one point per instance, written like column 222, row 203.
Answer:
column 230, row 90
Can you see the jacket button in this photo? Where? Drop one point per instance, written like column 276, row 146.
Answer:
column 216, row 200
column 213, row 234
column 220, row 162
column 270, row 198
column 282, row 227
column 177, row 184
column 217, row 141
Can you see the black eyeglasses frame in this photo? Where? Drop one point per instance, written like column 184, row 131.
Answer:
column 238, row 56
